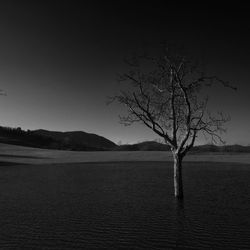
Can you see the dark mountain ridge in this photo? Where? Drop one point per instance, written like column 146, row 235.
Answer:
column 206, row 148
column 72, row 140
column 143, row 146
column 82, row 141
column 77, row 138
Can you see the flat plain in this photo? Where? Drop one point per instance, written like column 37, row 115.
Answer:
column 26, row 155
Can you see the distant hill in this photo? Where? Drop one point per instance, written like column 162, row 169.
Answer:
column 82, row 141
column 75, row 140
column 226, row 148
column 143, row 146
column 156, row 146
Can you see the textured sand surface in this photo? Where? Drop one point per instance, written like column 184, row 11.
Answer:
column 19, row 154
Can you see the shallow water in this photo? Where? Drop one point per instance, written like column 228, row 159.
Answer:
column 124, row 206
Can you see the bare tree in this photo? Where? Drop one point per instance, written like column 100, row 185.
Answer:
column 165, row 94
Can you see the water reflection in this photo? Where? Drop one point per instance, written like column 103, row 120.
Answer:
column 180, row 222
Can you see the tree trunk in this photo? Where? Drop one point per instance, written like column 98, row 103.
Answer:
column 178, row 186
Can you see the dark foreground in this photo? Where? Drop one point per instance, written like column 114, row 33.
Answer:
column 124, row 206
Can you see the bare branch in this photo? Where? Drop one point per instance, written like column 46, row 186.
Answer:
column 165, row 96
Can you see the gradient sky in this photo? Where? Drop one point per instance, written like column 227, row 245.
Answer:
column 59, row 60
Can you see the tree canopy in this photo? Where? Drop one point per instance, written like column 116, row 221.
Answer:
column 165, row 94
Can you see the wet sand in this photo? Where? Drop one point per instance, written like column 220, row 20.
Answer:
column 25, row 155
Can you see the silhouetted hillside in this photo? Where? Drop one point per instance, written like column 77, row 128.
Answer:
column 143, row 146
column 226, row 148
column 76, row 140
column 156, row 146
column 17, row 136
column 82, row 141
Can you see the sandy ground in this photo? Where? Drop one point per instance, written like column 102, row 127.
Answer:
column 25, row 155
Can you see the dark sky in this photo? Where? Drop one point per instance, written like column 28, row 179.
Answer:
column 59, row 60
